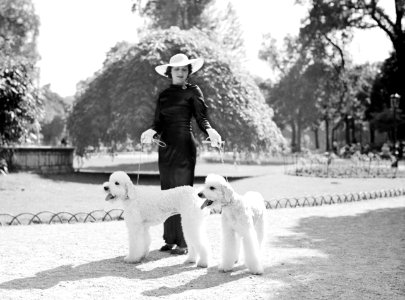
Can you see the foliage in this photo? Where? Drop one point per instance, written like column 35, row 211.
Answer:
column 301, row 95
column 54, row 104
column 380, row 110
column 19, row 108
column 315, row 88
column 53, row 122
column 222, row 25
column 163, row 14
column 339, row 17
column 52, row 132
column 219, row 20
column 119, row 103
column 370, row 165
column 18, row 31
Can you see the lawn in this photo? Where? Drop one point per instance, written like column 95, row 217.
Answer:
column 82, row 191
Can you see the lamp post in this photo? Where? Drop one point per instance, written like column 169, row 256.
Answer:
column 394, row 105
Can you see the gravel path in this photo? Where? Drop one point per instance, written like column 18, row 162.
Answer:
column 345, row 251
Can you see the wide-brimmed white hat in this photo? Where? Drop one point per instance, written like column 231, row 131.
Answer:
column 179, row 60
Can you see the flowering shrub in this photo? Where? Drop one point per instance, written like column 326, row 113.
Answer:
column 330, row 165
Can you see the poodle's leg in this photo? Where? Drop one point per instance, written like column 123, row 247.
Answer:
column 260, row 230
column 230, row 247
column 202, row 251
column 136, row 243
column 237, row 247
column 252, row 251
column 186, row 224
column 147, row 241
column 192, row 255
column 194, row 234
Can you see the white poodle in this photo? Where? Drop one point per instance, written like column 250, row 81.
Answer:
column 143, row 208
column 243, row 217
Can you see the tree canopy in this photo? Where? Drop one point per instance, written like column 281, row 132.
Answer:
column 120, row 101
column 163, row 14
column 20, row 108
column 329, row 17
column 18, row 31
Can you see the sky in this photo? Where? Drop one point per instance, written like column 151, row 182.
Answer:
column 75, row 35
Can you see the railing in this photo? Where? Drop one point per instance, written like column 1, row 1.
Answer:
column 47, row 217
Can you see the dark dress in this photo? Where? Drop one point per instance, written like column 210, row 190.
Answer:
column 174, row 109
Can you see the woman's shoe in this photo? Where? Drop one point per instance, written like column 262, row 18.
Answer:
column 167, row 247
column 179, row 251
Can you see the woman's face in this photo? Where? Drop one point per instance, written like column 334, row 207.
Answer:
column 179, row 74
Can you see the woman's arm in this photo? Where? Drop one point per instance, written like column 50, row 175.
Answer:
column 200, row 110
column 147, row 135
column 200, row 114
column 157, row 126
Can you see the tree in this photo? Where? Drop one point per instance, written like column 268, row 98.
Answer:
column 294, row 96
column 331, row 17
column 380, row 111
column 20, row 107
column 18, row 32
column 220, row 24
column 52, row 132
column 223, row 27
column 163, row 14
column 53, row 122
column 119, row 103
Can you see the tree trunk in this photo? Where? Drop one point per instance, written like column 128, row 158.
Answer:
column 316, row 137
column 327, row 134
column 293, row 136
column 299, row 132
column 353, row 131
column 372, row 134
column 347, row 130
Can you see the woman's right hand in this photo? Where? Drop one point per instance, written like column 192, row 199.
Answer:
column 147, row 136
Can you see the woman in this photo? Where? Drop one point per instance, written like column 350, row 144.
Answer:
column 175, row 107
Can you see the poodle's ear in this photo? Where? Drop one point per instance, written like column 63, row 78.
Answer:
column 129, row 190
column 227, row 192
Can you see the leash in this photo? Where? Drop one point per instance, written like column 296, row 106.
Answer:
column 221, row 151
column 154, row 141
column 220, row 148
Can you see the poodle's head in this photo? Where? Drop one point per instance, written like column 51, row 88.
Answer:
column 217, row 191
column 118, row 187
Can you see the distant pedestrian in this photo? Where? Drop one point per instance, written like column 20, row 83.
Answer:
column 335, row 148
column 385, row 151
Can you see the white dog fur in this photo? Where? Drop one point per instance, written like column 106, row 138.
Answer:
column 145, row 208
column 243, row 217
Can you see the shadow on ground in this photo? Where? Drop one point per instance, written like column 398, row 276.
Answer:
column 365, row 257
column 349, row 257
column 116, row 267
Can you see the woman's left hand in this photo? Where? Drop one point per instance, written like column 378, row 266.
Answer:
column 215, row 138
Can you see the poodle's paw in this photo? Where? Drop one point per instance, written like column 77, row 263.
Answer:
column 221, row 268
column 257, row 271
column 132, row 260
column 190, row 260
column 202, row 264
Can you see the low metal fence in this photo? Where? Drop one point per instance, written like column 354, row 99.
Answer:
column 47, row 217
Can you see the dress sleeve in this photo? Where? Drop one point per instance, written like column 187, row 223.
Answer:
column 200, row 110
column 157, row 126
